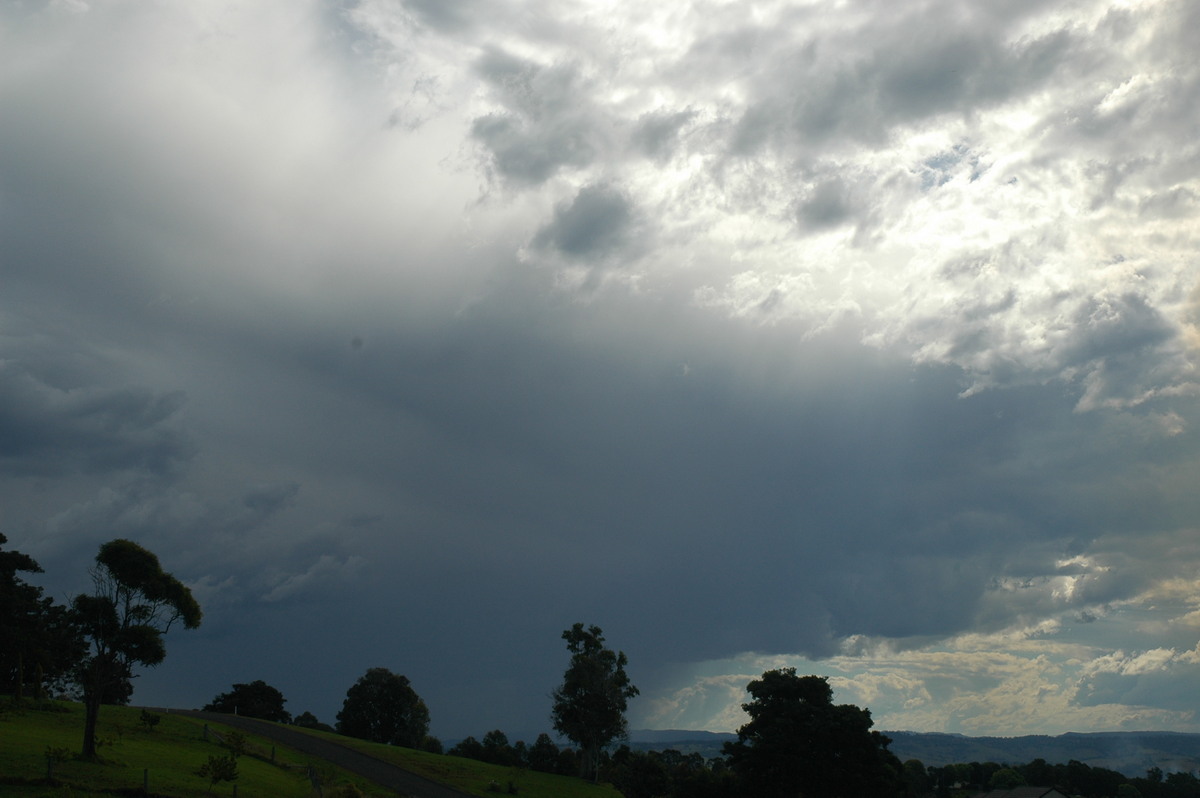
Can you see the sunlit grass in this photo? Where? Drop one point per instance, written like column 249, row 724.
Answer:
column 165, row 760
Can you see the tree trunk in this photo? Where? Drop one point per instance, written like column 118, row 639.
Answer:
column 20, row 675
column 92, row 714
column 591, row 761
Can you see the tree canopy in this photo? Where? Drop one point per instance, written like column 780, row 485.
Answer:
column 254, row 700
column 383, row 707
column 589, row 705
column 41, row 643
column 798, row 742
column 134, row 603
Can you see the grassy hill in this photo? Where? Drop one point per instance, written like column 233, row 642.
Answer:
column 166, row 759
column 1130, row 753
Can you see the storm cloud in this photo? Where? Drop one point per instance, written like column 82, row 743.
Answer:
column 409, row 334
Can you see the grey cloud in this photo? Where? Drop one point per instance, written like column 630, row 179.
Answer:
column 916, row 69
column 1171, row 684
column 447, row 16
column 657, row 134
column 48, row 429
column 548, row 123
column 269, row 499
column 595, row 224
column 827, row 205
column 1174, row 203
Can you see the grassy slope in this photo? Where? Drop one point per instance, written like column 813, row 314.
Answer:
column 171, row 753
column 474, row 777
column 176, row 749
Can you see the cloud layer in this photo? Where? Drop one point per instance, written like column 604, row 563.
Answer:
column 411, row 333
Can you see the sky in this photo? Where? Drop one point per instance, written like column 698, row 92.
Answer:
column 853, row 336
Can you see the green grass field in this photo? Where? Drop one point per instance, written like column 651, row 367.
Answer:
column 475, row 777
column 167, row 759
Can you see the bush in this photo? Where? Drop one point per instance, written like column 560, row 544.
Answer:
column 218, row 769
column 150, row 720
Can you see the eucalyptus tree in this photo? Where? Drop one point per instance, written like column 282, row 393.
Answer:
column 134, row 603
column 589, row 705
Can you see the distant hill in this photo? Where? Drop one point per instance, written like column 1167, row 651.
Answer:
column 1130, row 753
column 707, row 744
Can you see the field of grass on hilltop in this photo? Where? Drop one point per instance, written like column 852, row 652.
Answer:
column 166, row 759
column 169, row 756
column 474, row 777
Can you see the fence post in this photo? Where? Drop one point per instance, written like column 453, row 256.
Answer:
column 145, row 781
column 206, row 732
column 272, row 755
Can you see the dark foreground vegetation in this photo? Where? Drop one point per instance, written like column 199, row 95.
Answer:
column 797, row 741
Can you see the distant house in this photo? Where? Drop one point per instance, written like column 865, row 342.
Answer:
column 1024, row 792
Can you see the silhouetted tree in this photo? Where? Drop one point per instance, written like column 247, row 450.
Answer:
column 1005, row 779
column 497, row 750
column 254, row 700
column 798, row 742
column 916, row 778
column 636, row 774
column 307, row 720
column 589, row 706
column 41, row 642
column 383, row 707
column 468, row 748
column 543, row 754
column 133, row 605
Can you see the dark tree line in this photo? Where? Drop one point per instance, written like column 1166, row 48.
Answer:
column 544, row 755
column 381, row 707
column 42, row 643
column 254, row 700
column 1072, row 778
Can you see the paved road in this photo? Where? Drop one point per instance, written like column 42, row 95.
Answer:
column 378, row 771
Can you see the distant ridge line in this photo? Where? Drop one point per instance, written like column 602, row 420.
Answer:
column 1131, row 753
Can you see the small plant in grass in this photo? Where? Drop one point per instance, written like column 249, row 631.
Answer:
column 218, row 769
column 58, row 754
column 236, row 743
column 54, row 755
column 150, row 720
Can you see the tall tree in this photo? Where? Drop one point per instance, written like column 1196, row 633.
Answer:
column 255, row 700
column 589, row 705
column 798, row 742
column 383, row 707
column 41, row 643
column 133, row 604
